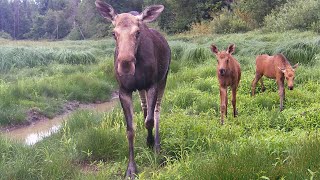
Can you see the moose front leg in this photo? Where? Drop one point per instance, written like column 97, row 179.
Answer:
column 223, row 94
column 152, row 94
column 281, row 93
column 126, row 103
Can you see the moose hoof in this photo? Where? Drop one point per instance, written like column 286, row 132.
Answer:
column 235, row 114
column 131, row 170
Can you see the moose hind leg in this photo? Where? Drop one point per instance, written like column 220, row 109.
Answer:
column 149, row 121
column 254, row 83
column 157, row 116
column 263, row 88
column 143, row 98
column 126, row 103
column 234, row 101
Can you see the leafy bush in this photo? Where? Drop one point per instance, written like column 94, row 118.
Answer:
column 227, row 22
column 296, row 14
column 253, row 12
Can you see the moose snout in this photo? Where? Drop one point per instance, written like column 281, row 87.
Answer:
column 222, row 72
column 126, row 67
column 290, row 87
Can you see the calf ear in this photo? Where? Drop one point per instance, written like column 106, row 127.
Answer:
column 295, row 66
column 106, row 10
column 214, row 49
column 231, row 48
column 151, row 13
column 282, row 69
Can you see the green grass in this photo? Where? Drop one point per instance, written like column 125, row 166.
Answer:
column 261, row 143
column 44, row 76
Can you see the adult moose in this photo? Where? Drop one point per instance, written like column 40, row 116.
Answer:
column 141, row 62
column 229, row 74
column 275, row 67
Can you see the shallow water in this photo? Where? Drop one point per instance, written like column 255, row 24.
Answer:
column 37, row 131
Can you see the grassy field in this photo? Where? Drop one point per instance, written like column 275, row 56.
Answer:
column 45, row 75
column 261, row 143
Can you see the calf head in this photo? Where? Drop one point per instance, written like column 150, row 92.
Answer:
column 127, row 31
column 223, row 58
column 289, row 74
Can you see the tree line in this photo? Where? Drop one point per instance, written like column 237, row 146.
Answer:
column 79, row 19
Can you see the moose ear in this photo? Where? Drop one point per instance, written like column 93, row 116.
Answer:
column 106, row 10
column 295, row 66
column 231, row 48
column 282, row 69
column 214, row 49
column 151, row 13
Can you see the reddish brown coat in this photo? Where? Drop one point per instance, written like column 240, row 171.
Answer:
column 274, row 67
column 229, row 74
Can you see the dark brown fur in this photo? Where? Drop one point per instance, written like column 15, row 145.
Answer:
column 141, row 62
column 229, row 74
column 274, row 67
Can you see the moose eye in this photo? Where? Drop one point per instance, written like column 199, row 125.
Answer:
column 114, row 34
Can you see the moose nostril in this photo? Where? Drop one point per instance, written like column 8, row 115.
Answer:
column 291, row 88
column 222, row 71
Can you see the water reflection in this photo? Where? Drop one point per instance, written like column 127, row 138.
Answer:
column 33, row 138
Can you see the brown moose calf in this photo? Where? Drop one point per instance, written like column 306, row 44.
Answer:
column 275, row 67
column 229, row 74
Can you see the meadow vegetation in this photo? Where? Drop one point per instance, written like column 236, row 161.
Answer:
column 261, row 143
column 45, row 75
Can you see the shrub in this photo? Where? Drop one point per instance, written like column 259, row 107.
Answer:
column 296, row 14
column 253, row 12
column 228, row 22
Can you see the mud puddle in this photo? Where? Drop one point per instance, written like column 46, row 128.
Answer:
column 45, row 127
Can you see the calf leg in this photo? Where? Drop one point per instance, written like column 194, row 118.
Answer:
column 223, row 93
column 226, row 102
column 281, row 92
column 126, row 103
column 263, row 88
column 143, row 98
column 234, row 100
column 152, row 94
column 254, row 83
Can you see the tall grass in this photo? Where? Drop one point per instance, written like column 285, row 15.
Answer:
column 43, row 76
column 261, row 143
